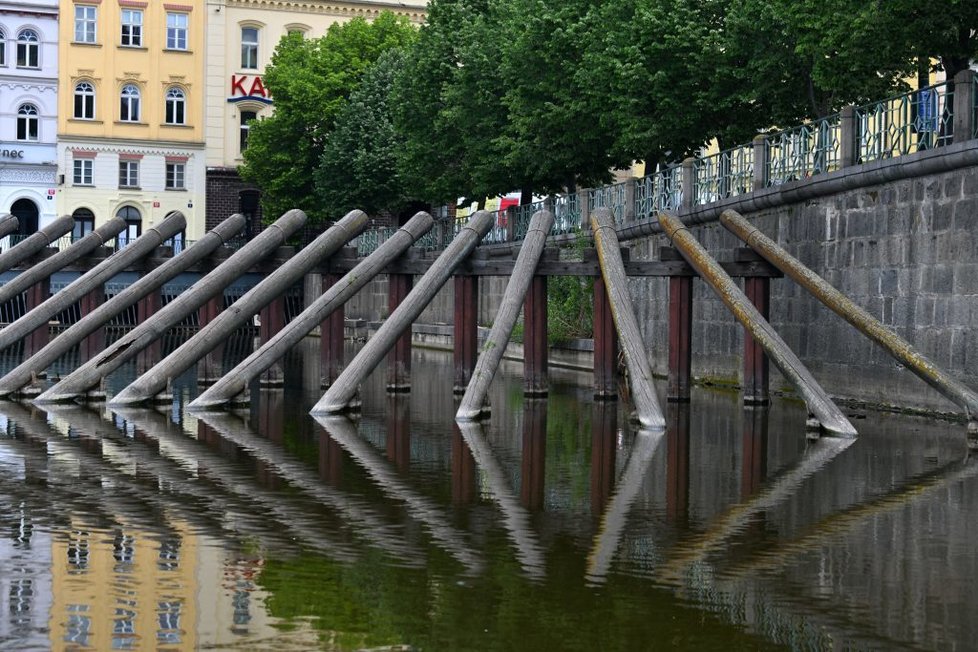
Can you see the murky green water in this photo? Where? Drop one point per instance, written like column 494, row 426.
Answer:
column 553, row 526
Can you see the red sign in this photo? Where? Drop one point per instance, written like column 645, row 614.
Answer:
column 156, row 204
column 248, row 85
column 52, row 192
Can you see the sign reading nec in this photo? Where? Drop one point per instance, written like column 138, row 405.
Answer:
column 12, row 153
column 248, row 86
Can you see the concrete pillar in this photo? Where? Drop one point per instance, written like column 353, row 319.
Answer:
column 604, row 441
column 964, row 106
column 848, row 137
column 629, row 212
column 399, row 358
column 534, row 465
column 680, row 338
column 535, row 347
column 272, row 318
column 688, row 183
column 677, row 462
column 760, row 161
column 146, row 307
column 756, row 372
column 466, row 330
column 94, row 342
column 209, row 369
column 605, row 345
column 35, row 295
column 331, row 337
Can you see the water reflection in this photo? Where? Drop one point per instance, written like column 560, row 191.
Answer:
column 554, row 525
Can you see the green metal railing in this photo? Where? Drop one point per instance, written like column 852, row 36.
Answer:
column 905, row 124
column 726, row 174
column 803, row 151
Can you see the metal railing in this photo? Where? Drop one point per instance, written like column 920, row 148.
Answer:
column 804, row 151
column 725, row 174
column 905, row 124
column 659, row 191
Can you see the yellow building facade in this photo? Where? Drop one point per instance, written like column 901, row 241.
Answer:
column 131, row 113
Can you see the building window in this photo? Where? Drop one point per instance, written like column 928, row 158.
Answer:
column 27, row 122
column 128, row 174
column 3, row 47
column 246, row 117
column 84, row 101
column 129, row 110
column 175, row 176
column 176, row 103
column 249, row 48
column 84, row 223
column 134, row 225
column 28, row 49
column 132, row 27
column 84, row 24
column 176, row 31
column 82, row 174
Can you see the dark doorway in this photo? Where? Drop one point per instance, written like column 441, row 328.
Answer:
column 249, row 205
column 26, row 213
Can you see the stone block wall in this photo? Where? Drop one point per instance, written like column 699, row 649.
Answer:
column 906, row 251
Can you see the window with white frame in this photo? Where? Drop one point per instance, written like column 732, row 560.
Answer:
column 28, row 49
column 85, row 21
column 84, row 101
column 134, row 225
column 249, row 48
column 176, row 103
column 129, row 107
column 3, row 47
column 82, row 172
column 27, row 122
column 84, row 223
column 176, row 176
column 176, row 31
column 246, row 118
column 128, row 173
column 132, row 28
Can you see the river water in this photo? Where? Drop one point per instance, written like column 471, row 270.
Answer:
column 555, row 525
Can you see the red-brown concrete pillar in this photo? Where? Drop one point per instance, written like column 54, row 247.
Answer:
column 605, row 345
column 604, row 438
column 96, row 341
column 35, row 296
column 533, row 467
column 535, row 339
column 399, row 358
column 146, row 308
column 756, row 373
column 210, row 368
column 466, row 330
column 680, row 337
column 272, row 318
column 331, row 338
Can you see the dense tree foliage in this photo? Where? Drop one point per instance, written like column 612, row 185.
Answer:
column 494, row 96
column 310, row 80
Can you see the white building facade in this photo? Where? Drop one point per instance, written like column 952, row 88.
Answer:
column 28, row 111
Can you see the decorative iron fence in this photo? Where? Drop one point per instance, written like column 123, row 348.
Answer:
column 725, row 174
column 659, row 191
column 907, row 123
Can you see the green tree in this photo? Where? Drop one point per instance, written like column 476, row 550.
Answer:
column 310, row 81
column 358, row 168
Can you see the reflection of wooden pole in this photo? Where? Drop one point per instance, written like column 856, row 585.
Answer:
column 399, row 431
column 463, row 469
column 533, row 468
column 604, row 440
column 710, row 271
column 330, row 459
column 605, row 345
column 753, row 462
column 677, row 465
